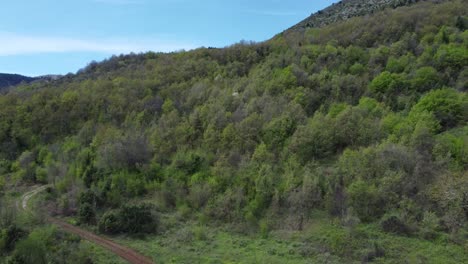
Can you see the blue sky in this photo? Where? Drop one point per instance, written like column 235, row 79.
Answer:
column 59, row 36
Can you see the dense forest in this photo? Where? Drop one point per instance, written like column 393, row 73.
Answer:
column 361, row 122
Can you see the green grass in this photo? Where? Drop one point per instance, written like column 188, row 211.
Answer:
column 216, row 247
column 322, row 241
column 101, row 255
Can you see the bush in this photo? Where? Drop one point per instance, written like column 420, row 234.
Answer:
column 133, row 219
column 386, row 82
column 451, row 55
column 429, row 225
column 315, row 140
column 199, row 195
column 10, row 236
column 199, row 233
column 109, row 223
column 425, row 79
column 33, row 250
column 365, row 199
column 376, row 252
column 86, row 213
column 138, row 219
column 393, row 224
column 447, row 105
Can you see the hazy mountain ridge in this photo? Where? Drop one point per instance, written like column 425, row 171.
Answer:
column 8, row 80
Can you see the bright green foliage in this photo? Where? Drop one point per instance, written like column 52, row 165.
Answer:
column 425, row 79
column 282, row 80
column 448, row 106
column 387, row 82
column 451, row 56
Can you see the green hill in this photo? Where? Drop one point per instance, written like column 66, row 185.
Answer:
column 8, row 80
column 345, row 142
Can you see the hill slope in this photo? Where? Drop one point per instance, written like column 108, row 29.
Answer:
column 349, row 8
column 346, row 143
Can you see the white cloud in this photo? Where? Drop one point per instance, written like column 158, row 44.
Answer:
column 120, row 2
column 14, row 44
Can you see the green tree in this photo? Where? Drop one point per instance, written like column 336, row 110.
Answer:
column 446, row 104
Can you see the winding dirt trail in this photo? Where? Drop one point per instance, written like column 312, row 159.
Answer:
column 126, row 253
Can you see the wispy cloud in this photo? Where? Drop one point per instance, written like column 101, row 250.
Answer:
column 272, row 13
column 120, row 2
column 14, row 44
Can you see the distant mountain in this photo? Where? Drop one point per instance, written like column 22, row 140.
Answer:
column 349, row 8
column 8, row 80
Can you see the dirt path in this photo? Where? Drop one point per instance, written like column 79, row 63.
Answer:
column 124, row 252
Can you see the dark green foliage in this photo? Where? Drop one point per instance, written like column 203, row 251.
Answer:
column 109, row 223
column 462, row 23
column 10, row 236
column 392, row 224
column 137, row 219
column 365, row 198
column 314, row 140
column 278, row 131
column 86, row 213
column 133, row 219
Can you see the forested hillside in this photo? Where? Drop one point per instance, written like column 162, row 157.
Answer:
column 360, row 122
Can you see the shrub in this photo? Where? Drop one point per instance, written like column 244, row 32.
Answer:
column 447, row 105
column 315, row 140
column 429, row 225
column 109, row 223
column 137, row 219
column 386, row 82
column 425, row 79
column 451, row 55
column 199, row 233
column 376, row 252
column 393, row 224
column 133, row 219
column 86, row 213
column 199, row 195
column 365, row 199
column 33, row 250
column 10, row 236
